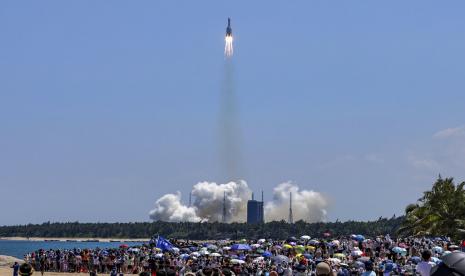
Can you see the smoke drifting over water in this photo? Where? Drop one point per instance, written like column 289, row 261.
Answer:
column 208, row 199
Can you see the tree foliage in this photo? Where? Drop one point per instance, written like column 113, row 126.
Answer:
column 201, row 231
column 439, row 212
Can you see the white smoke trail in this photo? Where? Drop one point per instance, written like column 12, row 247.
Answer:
column 307, row 205
column 208, row 204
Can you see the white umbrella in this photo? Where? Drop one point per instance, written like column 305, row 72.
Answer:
column 237, row 261
column 261, row 240
column 305, row 237
column 255, row 245
column 226, row 248
column 215, row 254
column 196, row 254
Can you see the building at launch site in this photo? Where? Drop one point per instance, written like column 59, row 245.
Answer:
column 255, row 211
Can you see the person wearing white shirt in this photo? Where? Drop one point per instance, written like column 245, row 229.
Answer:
column 424, row 267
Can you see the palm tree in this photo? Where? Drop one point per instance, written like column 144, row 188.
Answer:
column 441, row 211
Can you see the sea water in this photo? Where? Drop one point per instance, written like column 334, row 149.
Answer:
column 19, row 248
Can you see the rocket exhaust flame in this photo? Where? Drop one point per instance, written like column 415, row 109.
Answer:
column 228, row 46
column 228, row 39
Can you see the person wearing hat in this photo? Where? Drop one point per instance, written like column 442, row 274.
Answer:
column 26, row 269
column 369, row 269
column 323, row 269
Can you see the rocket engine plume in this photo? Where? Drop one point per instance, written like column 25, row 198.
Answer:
column 228, row 39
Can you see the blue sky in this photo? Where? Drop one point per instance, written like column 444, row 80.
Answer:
column 107, row 105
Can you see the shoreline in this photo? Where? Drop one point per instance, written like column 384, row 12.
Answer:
column 61, row 239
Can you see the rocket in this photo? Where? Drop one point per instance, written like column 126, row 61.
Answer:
column 229, row 29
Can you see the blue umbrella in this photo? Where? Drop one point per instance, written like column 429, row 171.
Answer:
column 359, row 237
column 241, row 246
column 435, row 260
column 267, row 254
column 308, row 256
column 415, row 259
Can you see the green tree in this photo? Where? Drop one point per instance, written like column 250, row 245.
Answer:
column 441, row 211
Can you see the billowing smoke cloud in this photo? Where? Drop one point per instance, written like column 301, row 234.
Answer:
column 209, row 200
column 170, row 208
column 208, row 204
column 307, row 205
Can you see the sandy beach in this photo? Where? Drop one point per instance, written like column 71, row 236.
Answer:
column 72, row 239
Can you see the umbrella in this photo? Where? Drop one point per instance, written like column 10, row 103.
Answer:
column 226, row 248
column 159, row 255
column 399, row 250
column 261, row 240
column 359, row 238
column 305, row 237
column 356, row 253
column 311, row 248
column 287, row 246
column 335, row 243
column 184, row 256
column 334, row 260
column 280, row 259
column 308, row 256
column 291, row 239
column 438, row 249
column 435, row 260
column 215, row 254
column 260, row 251
column 267, row 254
column 313, row 242
column 340, row 255
column 256, row 245
column 237, row 261
column 446, row 252
column 240, row 246
column 359, row 264
column 300, row 248
column 195, row 254
column 415, row 259
column 212, row 247
column 364, row 259
column 453, row 264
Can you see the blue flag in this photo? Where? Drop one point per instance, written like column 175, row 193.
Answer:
column 164, row 244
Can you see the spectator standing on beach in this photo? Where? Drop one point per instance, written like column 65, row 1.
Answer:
column 15, row 267
column 424, row 267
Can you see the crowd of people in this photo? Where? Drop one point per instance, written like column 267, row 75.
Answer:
column 354, row 255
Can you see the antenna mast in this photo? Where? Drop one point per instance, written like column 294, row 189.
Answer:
column 291, row 217
column 224, row 207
